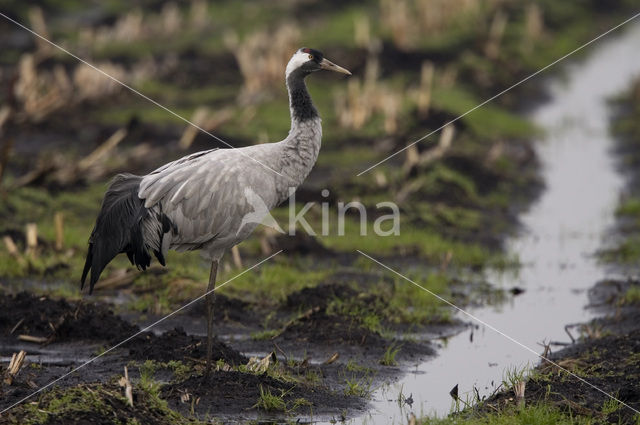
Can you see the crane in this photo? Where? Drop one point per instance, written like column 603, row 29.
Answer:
column 199, row 202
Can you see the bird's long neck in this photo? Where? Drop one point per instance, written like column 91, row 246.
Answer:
column 302, row 145
column 300, row 103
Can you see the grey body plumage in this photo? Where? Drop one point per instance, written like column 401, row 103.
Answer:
column 205, row 198
column 198, row 201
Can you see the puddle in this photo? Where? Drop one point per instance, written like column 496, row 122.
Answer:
column 561, row 232
column 67, row 354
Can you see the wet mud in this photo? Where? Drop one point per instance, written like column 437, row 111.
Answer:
column 606, row 356
column 310, row 382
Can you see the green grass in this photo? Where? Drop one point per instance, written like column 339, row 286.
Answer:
column 300, row 402
column 167, row 92
column 276, row 402
column 265, row 335
column 389, row 356
column 632, row 296
column 366, row 315
column 627, row 249
column 270, row 402
column 68, row 404
column 272, row 282
column 513, row 375
column 37, row 205
column 611, row 406
column 147, row 380
column 338, row 28
column 383, row 303
column 311, row 377
column 148, row 369
column 457, row 101
column 427, row 243
column 353, row 366
column 626, row 252
column 358, row 387
column 346, row 157
column 147, row 113
column 625, row 126
column 411, row 304
column 629, row 208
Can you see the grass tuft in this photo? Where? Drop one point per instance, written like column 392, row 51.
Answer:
column 271, row 402
column 389, row 356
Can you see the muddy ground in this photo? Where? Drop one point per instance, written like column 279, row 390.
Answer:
column 606, row 356
column 323, row 365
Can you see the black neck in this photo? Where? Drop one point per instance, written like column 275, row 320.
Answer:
column 302, row 108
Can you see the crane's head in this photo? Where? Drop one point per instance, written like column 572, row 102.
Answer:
column 306, row 61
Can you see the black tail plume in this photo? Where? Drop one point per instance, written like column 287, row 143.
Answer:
column 118, row 229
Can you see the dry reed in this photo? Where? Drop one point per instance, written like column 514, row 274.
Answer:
column 262, row 57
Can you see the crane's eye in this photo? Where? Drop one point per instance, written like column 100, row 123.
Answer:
column 310, row 57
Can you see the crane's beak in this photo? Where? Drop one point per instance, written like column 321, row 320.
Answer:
column 330, row 66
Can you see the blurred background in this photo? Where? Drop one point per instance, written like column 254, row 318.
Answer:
column 65, row 129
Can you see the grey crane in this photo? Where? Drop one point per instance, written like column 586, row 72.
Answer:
column 198, row 202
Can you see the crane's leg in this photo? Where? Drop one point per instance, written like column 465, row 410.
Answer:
column 210, row 299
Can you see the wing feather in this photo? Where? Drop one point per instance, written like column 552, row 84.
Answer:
column 204, row 194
